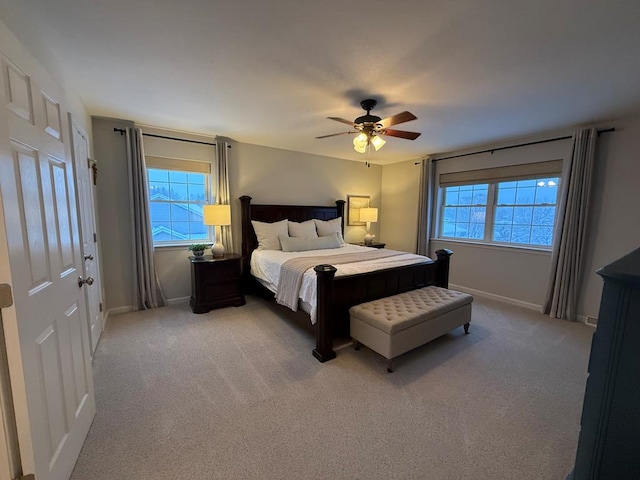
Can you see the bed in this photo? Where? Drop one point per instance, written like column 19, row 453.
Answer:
column 334, row 295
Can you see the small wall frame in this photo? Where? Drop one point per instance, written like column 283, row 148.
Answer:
column 354, row 204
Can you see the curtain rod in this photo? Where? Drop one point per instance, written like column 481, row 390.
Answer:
column 122, row 132
column 491, row 150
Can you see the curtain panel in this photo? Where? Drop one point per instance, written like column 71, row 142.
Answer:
column 146, row 286
column 425, row 205
column 222, row 188
column 571, row 226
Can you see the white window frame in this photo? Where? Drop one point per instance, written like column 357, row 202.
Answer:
column 183, row 166
column 492, row 177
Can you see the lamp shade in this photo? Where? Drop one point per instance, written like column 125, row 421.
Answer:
column 369, row 214
column 216, row 215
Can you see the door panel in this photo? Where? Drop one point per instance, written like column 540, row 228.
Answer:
column 49, row 358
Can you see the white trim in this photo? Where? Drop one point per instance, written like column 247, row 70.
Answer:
column 178, row 300
column 120, row 310
column 494, row 246
column 588, row 320
column 493, row 296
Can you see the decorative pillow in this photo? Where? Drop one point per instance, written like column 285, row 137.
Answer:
column 268, row 233
column 300, row 244
column 325, row 227
column 304, row 229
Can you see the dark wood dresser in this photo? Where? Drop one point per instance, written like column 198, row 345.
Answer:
column 215, row 282
column 609, row 442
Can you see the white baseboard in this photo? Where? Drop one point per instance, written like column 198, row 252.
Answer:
column 586, row 319
column 120, row 310
column 176, row 301
column 493, row 296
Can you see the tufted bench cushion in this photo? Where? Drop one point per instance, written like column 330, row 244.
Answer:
column 395, row 313
column 394, row 325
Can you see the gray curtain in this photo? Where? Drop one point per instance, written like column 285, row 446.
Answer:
column 146, row 287
column 425, row 205
column 222, row 189
column 572, row 213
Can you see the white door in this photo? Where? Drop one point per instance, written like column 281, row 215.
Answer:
column 46, row 329
column 86, row 206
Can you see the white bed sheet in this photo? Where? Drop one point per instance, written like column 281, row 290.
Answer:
column 266, row 265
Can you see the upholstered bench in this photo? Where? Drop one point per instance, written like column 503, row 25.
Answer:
column 394, row 325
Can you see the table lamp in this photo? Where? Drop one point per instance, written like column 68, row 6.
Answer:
column 368, row 215
column 217, row 215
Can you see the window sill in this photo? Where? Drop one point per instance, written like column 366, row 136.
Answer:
column 166, row 248
column 495, row 246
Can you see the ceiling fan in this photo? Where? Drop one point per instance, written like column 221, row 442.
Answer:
column 370, row 127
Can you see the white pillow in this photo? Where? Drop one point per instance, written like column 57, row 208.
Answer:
column 304, row 229
column 268, row 233
column 325, row 227
column 300, row 244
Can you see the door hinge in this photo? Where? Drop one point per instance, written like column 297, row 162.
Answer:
column 100, row 306
column 6, row 299
column 95, row 238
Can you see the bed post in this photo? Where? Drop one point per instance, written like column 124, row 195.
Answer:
column 324, row 342
column 442, row 275
column 340, row 211
column 245, row 203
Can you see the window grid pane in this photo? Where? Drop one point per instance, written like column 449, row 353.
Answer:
column 525, row 211
column 175, row 203
column 464, row 211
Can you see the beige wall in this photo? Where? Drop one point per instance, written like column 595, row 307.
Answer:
column 114, row 223
column 399, row 215
column 268, row 175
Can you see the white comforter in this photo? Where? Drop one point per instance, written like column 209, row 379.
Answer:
column 266, row 265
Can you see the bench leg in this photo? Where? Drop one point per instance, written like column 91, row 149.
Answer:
column 356, row 345
column 466, row 327
column 390, row 366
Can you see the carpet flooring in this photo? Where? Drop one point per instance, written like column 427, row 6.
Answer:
column 236, row 394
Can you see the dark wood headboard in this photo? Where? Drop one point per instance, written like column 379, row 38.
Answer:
column 274, row 213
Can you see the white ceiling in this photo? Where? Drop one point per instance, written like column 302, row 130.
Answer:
column 270, row 72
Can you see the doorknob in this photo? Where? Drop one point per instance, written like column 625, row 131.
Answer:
column 82, row 281
column 88, row 257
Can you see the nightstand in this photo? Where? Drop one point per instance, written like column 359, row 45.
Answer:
column 373, row 245
column 215, row 282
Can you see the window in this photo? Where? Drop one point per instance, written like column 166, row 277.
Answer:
column 525, row 211
column 177, row 193
column 503, row 210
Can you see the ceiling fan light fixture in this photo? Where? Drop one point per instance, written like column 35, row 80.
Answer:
column 360, row 142
column 377, row 142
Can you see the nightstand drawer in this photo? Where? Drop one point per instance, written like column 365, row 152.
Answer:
column 221, row 273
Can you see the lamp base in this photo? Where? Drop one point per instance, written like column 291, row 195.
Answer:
column 217, row 250
column 368, row 238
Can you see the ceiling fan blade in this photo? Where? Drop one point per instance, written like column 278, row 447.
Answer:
column 333, row 135
column 400, row 134
column 396, row 119
column 342, row 120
